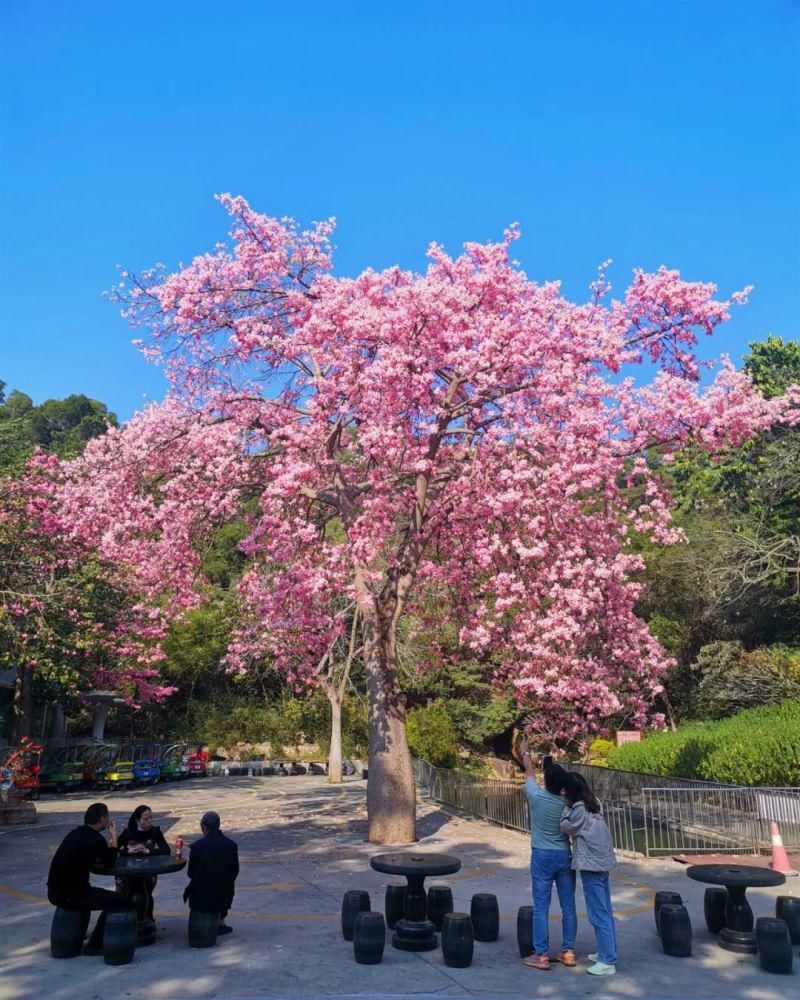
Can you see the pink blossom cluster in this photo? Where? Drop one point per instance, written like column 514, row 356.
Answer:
column 464, row 438
column 62, row 611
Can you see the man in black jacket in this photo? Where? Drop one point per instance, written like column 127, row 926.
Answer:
column 213, row 867
column 68, row 883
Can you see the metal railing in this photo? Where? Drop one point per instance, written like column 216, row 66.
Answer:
column 628, row 786
column 721, row 820
column 493, row 799
column 646, row 814
column 504, row 802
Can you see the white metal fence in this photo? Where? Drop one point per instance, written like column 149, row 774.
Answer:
column 675, row 816
column 721, row 820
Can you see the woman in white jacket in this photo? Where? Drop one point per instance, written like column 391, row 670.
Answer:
column 592, row 856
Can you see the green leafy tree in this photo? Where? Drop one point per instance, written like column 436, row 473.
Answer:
column 730, row 679
column 432, row 735
column 59, row 426
column 774, row 365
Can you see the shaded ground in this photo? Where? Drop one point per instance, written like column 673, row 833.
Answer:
column 301, row 845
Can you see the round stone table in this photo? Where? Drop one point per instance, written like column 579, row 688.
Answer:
column 737, row 934
column 414, row 932
column 139, row 869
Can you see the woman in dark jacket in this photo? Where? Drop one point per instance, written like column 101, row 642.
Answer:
column 141, row 837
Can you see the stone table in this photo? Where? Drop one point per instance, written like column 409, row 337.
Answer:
column 414, row 932
column 737, row 934
column 139, row 870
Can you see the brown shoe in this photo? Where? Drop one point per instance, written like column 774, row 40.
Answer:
column 567, row 958
column 537, row 962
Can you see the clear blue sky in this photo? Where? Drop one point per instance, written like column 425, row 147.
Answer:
column 655, row 132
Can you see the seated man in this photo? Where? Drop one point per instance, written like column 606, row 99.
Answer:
column 213, row 867
column 68, row 883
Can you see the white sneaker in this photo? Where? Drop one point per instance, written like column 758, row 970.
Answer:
column 592, row 957
column 601, row 969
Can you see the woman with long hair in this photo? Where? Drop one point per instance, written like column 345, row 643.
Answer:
column 142, row 837
column 593, row 856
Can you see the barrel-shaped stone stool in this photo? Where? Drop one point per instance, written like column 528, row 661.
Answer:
column 714, row 902
column 369, row 937
column 355, row 901
column 525, row 931
column 203, row 928
column 458, row 940
column 774, row 945
column 788, row 908
column 440, row 901
column 67, row 931
column 676, row 930
column 119, row 937
column 394, row 904
column 661, row 898
column 485, row 915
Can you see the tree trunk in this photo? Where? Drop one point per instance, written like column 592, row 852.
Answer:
column 391, row 794
column 23, row 704
column 673, row 722
column 335, row 755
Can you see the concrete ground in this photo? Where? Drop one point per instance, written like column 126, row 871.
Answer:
column 302, row 845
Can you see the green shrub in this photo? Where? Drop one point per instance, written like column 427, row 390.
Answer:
column 432, row 735
column 760, row 746
column 598, row 752
column 728, row 679
column 476, row 768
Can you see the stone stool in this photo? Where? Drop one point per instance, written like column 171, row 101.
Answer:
column 662, row 898
column 714, row 902
column 485, row 915
column 394, row 904
column 440, row 901
column 525, row 931
column 203, row 928
column 774, row 945
column 67, row 931
column 369, row 937
column 355, row 901
column 676, row 930
column 119, row 937
column 458, row 940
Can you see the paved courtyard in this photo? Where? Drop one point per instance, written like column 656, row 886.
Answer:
column 302, row 845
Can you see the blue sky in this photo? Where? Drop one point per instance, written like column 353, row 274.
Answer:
column 655, row 132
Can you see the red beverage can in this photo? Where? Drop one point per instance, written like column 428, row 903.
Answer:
column 179, row 847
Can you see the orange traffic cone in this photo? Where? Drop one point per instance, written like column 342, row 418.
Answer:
column 780, row 859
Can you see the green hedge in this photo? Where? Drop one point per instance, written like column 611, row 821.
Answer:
column 760, row 746
column 432, row 735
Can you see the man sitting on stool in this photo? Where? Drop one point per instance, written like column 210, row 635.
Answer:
column 68, row 883
column 213, row 867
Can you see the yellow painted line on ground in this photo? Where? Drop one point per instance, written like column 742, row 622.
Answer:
column 272, row 886
column 233, row 916
column 475, row 873
column 23, row 897
column 26, row 897
column 619, row 911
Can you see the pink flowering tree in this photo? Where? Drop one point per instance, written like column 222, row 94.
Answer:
column 64, row 615
column 464, row 433
column 313, row 639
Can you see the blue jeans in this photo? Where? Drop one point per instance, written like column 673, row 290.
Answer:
column 597, row 894
column 548, row 867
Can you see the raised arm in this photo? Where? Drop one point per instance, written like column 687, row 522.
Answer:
column 527, row 763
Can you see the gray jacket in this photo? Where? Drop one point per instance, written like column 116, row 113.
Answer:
column 591, row 842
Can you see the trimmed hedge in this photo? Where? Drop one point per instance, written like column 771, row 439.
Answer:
column 760, row 746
